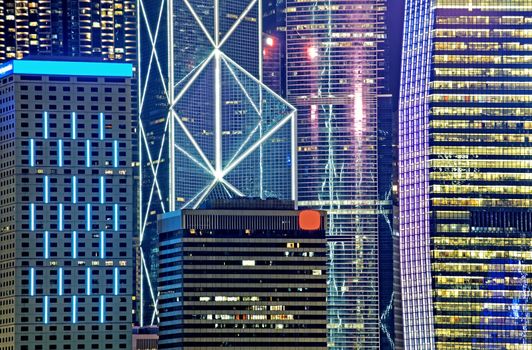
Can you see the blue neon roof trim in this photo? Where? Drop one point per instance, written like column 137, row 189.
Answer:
column 67, row 68
column 6, row 69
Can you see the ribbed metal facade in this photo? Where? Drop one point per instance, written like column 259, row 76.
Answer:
column 333, row 66
column 465, row 182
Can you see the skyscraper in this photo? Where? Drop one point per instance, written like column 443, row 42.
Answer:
column 209, row 126
column 465, row 181
column 79, row 28
column 333, row 78
column 387, row 160
column 66, row 210
column 274, row 52
column 243, row 274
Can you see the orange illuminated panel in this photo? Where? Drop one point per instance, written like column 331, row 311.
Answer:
column 309, row 220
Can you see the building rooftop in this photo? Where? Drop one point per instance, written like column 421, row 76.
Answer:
column 67, row 68
column 249, row 204
column 240, row 213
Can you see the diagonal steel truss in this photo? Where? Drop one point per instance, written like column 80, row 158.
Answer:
column 149, row 34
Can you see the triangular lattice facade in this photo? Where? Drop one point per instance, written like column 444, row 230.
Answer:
column 209, row 128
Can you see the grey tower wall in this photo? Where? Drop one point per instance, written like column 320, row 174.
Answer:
column 50, row 179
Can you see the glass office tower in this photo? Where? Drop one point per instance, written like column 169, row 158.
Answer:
column 333, row 80
column 153, row 148
column 222, row 112
column 274, row 52
column 209, row 126
column 80, row 28
column 465, row 179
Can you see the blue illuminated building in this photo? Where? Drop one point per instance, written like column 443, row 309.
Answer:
column 66, row 212
column 274, row 46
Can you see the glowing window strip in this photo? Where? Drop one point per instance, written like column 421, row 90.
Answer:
column 102, row 126
column 32, row 216
column 6, row 69
column 45, row 125
column 115, row 153
column 88, row 281
column 46, row 244
column 74, row 189
column 32, row 152
column 102, row 189
column 74, row 309
column 32, row 281
column 88, row 217
column 46, row 189
column 45, row 308
column 74, row 126
column 60, row 217
column 102, row 309
column 88, row 153
column 49, row 67
column 116, row 277
column 102, row 244
column 115, row 217
column 60, row 281
column 74, row 244
column 60, row 152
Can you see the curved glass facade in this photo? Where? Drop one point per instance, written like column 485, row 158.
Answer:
column 465, row 181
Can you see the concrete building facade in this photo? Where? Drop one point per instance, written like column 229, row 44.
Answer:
column 66, row 226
